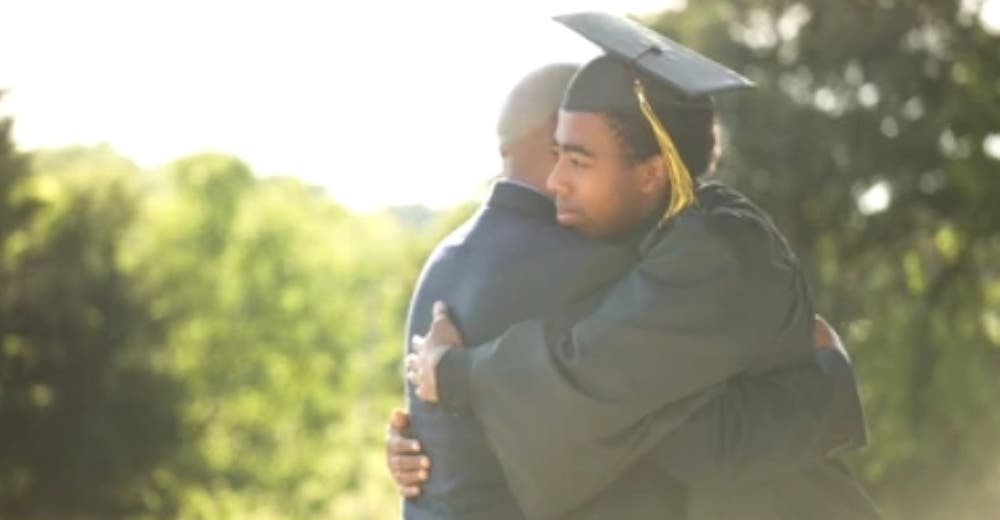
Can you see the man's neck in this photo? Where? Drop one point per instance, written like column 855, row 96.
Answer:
column 512, row 175
column 524, row 184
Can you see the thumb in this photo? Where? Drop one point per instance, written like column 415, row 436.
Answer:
column 399, row 419
column 440, row 310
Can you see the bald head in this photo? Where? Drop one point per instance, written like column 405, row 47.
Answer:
column 527, row 122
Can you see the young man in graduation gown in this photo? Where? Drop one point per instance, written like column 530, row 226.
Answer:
column 572, row 404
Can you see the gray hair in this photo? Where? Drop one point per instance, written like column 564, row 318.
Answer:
column 533, row 101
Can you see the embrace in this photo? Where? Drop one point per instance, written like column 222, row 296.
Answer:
column 613, row 335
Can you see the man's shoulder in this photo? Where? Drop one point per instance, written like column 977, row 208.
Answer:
column 693, row 239
column 510, row 234
column 724, row 223
column 731, row 212
column 497, row 248
column 724, row 236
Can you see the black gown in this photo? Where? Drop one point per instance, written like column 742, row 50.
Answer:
column 570, row 404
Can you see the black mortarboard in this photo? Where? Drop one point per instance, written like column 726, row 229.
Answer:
column 665, row 67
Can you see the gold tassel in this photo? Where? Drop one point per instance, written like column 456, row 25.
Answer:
column 681, row 183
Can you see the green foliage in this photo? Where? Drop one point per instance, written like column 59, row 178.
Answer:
column 281, row 333
column 194, row 342
column 85, row 417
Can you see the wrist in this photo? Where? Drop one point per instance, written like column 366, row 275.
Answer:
column 452, row 373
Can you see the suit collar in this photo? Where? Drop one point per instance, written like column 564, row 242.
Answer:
column 522, row 200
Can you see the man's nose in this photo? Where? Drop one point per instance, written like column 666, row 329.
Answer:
column 556, row 182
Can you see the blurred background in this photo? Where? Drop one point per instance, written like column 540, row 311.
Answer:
column 212, row 215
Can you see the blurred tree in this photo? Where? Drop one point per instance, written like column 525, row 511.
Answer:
column 194, row 342
column 84, row 417
column 873, row 138
column 286, row 315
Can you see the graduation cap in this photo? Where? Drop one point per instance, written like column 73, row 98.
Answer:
column 683, row 70
column 643, row 69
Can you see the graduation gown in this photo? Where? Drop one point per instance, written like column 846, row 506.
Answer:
column 570, row 404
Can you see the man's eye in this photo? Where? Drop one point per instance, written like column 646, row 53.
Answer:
column 577, row 163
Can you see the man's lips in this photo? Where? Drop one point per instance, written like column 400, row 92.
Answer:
column 567, row 216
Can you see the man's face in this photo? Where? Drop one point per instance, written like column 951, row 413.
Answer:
column 597, row 191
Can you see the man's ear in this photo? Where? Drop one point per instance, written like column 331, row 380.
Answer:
column 652, row 175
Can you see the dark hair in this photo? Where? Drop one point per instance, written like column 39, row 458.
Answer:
column 694, row 131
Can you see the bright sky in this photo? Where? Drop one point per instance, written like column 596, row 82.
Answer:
column 381, row 102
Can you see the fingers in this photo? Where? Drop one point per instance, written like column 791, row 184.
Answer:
column 398, row 445
column 413, row 369
column 413, row 478
column 407, row 464
column 409, row 469
column 409, row 472
column 423, row 382
column 410, row 480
